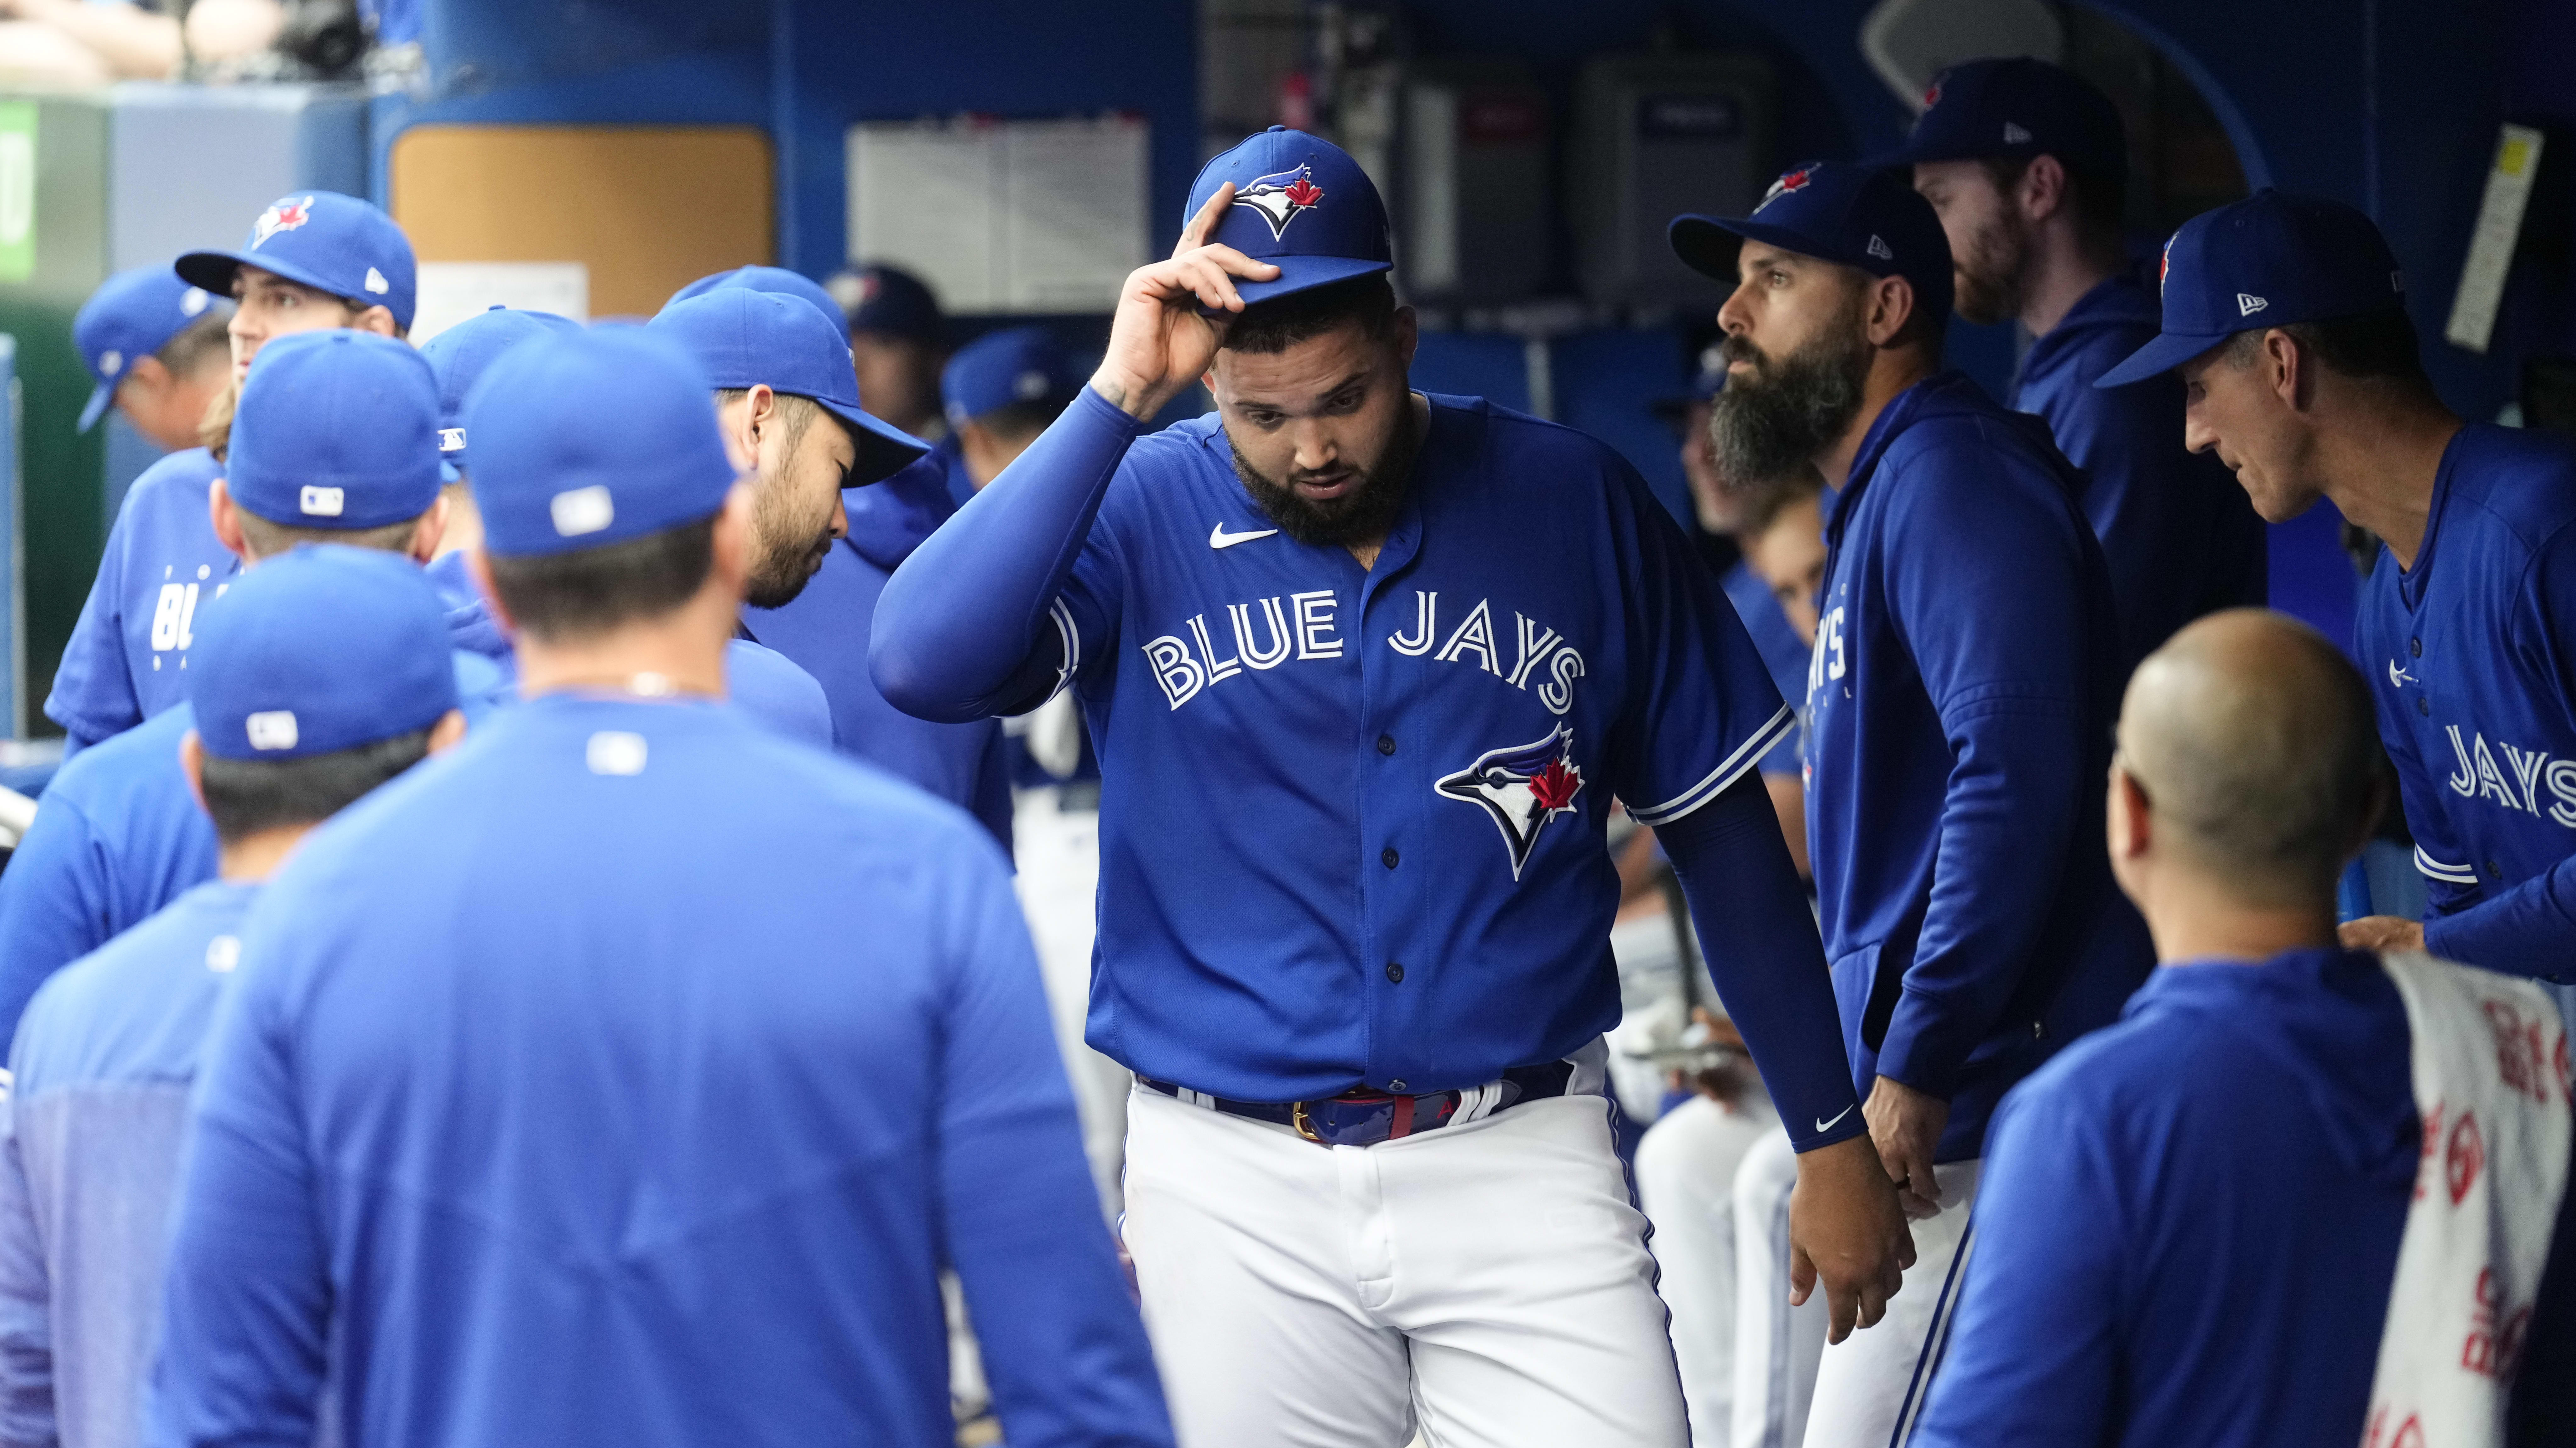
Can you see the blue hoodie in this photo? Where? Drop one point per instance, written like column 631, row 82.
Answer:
column 2188, row 1226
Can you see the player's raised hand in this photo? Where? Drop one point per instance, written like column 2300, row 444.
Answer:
column 1845, row 1228
column 1159, row 339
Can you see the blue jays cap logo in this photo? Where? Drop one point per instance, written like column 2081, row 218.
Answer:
column 1521, row 789
column 1788, row 182
column 283, row 216
column 2164, row 264
column 1281, row 197
column 1932, row 92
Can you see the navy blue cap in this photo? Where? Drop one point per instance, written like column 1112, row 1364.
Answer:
column 132, row 315
column 1300, row 203
column 458, row 356
column 1020, row 364
column 327, row 241
column 1840, row 211
column 321, row 649
column 2266, row 261
column 2016, row 107
column 335, row 429
column 593, row 438
column 771, row 279
column 1708, row 381
column 745, row 338
column 888, row 299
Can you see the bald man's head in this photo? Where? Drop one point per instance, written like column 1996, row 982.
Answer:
column 2253, row 741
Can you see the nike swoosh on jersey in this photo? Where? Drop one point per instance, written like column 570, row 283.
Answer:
column 1219, row 538
column 1839, row 1115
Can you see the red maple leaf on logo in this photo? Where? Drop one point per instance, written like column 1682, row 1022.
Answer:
column 290, row 217
column 1303, row 192
column 1554, row 786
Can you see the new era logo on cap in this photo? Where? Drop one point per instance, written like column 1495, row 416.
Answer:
column 2015, row 135
column 283, row 216
column 583, row 510
column 2247, row 304
column 270, row 729
column 110, row 362
column 376, row 282
column 1878, row 248
column 1030, row 385
column 193, row 300
column 322, row 502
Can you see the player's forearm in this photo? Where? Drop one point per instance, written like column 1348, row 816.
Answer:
column 2528, row 930
column 1765, row 958
column 959, row 621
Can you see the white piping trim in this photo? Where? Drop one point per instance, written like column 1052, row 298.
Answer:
column 2447, row 874
column 1729, row 770
column 1072, row 638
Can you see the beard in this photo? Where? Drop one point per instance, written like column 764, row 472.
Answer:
column 788, row 549
column 1365, row 512
column 1987, row 277
column 1771, row 424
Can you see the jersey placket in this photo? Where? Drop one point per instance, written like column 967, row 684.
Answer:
column 1385, row 775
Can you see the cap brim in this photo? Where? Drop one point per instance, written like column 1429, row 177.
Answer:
column 1304, row 273
column 884, row 449
column 2163, row 354
column 212, row 271
column 99, row 397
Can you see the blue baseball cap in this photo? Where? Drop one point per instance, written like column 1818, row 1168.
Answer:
column 335, row 429
column 1020, row 364
column 1838, row 211
column 458, row 356
column 1301, row 204
column 321, row 649
column 771, row 279
column 326, row 241
column 745, row 338
column 132, row 315
column 1705, row 384
column 2267, row 261
column 881, row 298
column 2016, row 107
column 593, row 438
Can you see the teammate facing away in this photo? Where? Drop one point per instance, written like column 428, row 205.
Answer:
column 314, row 260
column 2286, row 318
column 2027, row 164
column 320, row 676
column 1365, row 669
column 2298, row 1195
column 1967, row 660
column 557, row 1101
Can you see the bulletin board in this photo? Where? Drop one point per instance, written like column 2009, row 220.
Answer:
column 645, row 209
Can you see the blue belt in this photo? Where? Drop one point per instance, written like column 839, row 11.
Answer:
column 1363, row 1117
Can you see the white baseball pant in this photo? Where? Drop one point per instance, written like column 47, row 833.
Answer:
column 1685, row 1170
column 1487, row 1283
column 1776, row 1345
column 1058, row 855
column 1870, row 1386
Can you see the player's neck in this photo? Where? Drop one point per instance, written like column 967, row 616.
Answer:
column 2380, row 456
column 2062, row 270
column 254, row 857
column 2192, row 918
column 681, row 654
column 1891, row 371
column 1365, row 550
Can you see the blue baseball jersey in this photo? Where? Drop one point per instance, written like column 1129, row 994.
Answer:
column 2187, row 1226
column 2472, row 660
column 1777, row 642
column 825, row 630
column 1352, row 820
column 2178, row 534
column 127, row 659
column 1959, row 708
column 90, row 1144
column 557, row 1102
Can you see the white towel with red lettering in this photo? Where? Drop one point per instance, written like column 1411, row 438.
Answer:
column 2491, row 1080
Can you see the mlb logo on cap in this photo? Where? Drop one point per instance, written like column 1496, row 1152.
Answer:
column 270, row 729
column 582, row 510
column 1301, row 204
column 323, row 502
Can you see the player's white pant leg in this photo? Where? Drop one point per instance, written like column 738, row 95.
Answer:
column 1651, row 1017
column 1058, row 855
column 1686, row 1183
column 1287, row 1285
column 1776, row 1345
column 1870, row 1386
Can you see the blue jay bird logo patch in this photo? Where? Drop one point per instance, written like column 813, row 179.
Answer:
column 1520, row 788
column 1281, row 197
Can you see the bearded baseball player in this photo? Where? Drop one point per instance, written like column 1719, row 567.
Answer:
column 1366, row 669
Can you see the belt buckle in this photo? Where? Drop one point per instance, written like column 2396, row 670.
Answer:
column 1297, row 1119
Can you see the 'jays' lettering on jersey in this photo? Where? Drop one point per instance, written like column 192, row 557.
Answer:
column 127, row 658
column 1352, row 821
column 1960, row 700
column 2472, row 658
column 2178, row 534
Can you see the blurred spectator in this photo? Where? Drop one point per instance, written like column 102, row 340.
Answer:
column 898, row 342
column 1784, row 545
column 92, row 42
column 160, row 351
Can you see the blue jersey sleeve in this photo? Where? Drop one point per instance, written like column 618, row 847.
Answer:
column 1989, row 588
column 26, row 1303
column 93, row 695
column 1063, row 1344
column 246, row 1307
column 2034, row 1355
column 54, row 903
column 973, row 623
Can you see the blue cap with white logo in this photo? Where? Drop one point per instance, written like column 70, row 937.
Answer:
column 1020, row 364
column 1839, row 211
column 593, row 438
column 888, row 300
column 458, row 356
column 132, row 315
column 768, row 279
column 2016, row 107
column 323, row 240
column 746, row 338
column 335, row 429
column 320, row 649
column 2267, row 261
column 1301, row 204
